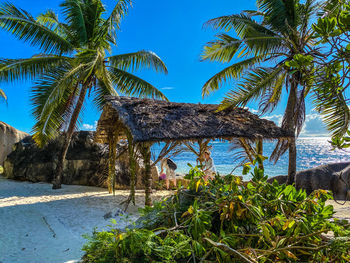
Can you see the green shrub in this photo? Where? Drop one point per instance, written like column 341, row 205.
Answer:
column 1, row 169
column 227, row 220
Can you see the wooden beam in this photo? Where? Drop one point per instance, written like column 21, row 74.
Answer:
column 132, row 166
column 112, row 143
column 146, row 154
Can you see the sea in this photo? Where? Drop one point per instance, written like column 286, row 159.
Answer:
column 311, row 152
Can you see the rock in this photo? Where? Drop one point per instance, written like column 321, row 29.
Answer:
column 86, row 162
column 281, row 179
column 8, row 137
column 107, row 215
column 334, row 177
column 118, row 212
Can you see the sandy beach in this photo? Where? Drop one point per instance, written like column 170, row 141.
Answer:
column 39, row 224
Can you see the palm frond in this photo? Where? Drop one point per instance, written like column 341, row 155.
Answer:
column 239, row 23
column 50, row 20
column 279, row 14
column 104, row 87
column 119, row 12
column 29, row 68
column 129, row 84
column 137, row 60
column 272, row 96
column 333, row 106
column 24, row 27
column 93, row 12
column 67, row 77
column 229, row 73
column 222, row 50
column 73, row 11
column 51, row 114
column 258, row 38
column 254, row 85
column 3, row 95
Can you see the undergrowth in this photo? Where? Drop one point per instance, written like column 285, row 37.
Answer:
column 227, row 220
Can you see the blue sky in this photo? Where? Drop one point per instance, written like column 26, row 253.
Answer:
column 172, row 29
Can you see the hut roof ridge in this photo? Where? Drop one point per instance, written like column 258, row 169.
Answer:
column 150, row 120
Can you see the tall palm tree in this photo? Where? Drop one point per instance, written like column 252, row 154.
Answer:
column 277, row 33
column 73, row 63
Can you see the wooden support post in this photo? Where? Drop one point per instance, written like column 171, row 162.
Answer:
column 132, row 165
column 146, row 153
column 259, row 151
column 112, row 142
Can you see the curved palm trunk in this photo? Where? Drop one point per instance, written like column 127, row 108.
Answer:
column 290, row 125
column 62, row 156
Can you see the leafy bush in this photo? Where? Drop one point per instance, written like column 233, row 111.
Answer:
column 227, row 220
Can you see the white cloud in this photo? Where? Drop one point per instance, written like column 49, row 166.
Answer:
column 168, row 88
column 276, row 118
column 89, row 127
column 253, row 110
column 313, row 125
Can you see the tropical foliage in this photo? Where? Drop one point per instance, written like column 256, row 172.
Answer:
column 227, row 220
column 268, row 40
column 73, row 62
column 332, row 73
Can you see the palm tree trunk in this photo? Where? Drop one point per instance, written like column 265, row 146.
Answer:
column 292, row 163
column 68, row 137
column 260, row 151
column 290, row 125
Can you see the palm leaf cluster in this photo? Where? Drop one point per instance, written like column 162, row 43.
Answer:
column 73, row 57
column 265, row 40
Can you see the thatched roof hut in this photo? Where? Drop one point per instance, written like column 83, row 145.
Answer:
column 146, row 121
column 151, row 120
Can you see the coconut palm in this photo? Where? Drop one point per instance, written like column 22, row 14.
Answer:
column 73, row 63
column 278, row 33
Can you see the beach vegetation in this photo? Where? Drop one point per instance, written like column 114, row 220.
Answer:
column 228, row 220
column 74, row 62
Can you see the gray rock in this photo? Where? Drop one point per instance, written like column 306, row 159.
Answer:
column 334, row 177
column 8, row 137
column 281, row 179
column 86, row 162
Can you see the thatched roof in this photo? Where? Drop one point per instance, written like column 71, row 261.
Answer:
column 151, row 120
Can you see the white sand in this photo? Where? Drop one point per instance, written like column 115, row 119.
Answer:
column 39, row 224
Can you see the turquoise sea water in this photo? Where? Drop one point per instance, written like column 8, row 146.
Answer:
column 312, row 151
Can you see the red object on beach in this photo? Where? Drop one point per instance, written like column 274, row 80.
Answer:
column 162, row 176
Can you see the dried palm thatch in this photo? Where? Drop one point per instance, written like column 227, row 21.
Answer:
column 150, row 120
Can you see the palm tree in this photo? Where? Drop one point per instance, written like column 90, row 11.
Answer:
column 73, row 63
column 277, row 33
